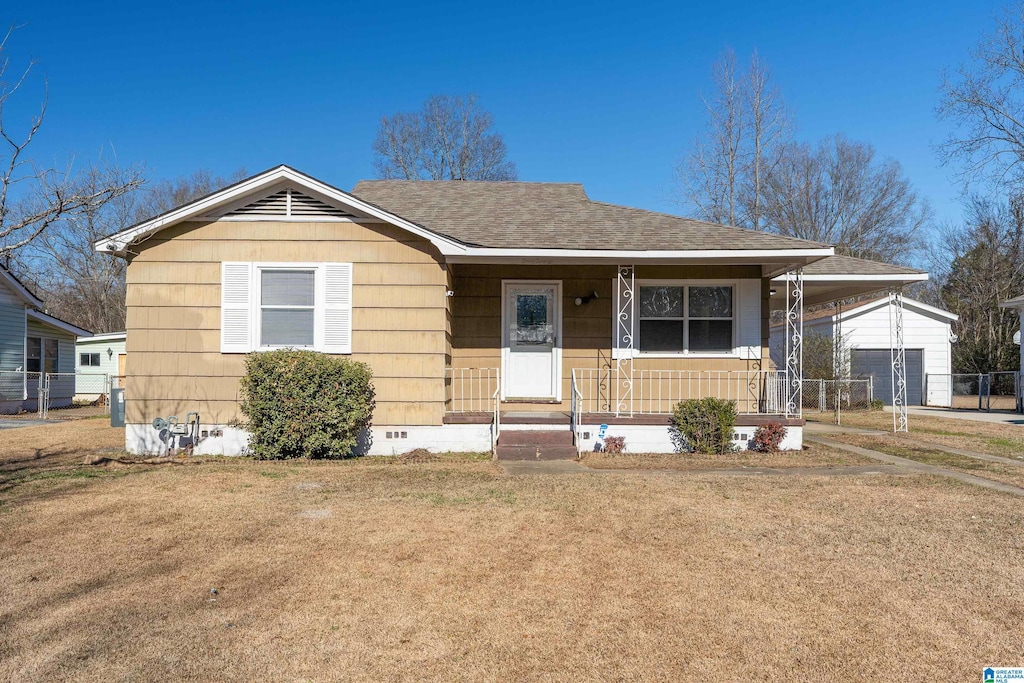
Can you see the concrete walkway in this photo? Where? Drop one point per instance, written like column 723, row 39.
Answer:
column 535, row 467
column 1004, row 417
column 915, row 466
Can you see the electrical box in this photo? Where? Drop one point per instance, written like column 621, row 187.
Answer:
column 117, row 407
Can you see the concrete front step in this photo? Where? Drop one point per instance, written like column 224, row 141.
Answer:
column 530, row 437
column 536, row 452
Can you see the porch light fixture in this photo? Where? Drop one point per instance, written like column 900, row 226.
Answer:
column 580, row 300
column 110, row 353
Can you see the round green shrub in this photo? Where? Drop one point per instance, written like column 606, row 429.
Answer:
column 704, row 425
column 305, row 404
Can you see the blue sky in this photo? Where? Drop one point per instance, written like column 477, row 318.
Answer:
column 600, row 93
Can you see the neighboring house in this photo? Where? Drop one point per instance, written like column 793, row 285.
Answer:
column 866, row 330
column 32, row 344
column 465, row 298
column 99, row 357
column 1017, row 304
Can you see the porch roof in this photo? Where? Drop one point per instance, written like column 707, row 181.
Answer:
column 844, row 277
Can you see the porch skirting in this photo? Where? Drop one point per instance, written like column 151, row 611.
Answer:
column 643, row 434
column 142, row 439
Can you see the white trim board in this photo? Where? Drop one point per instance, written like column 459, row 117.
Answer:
column 59, row 324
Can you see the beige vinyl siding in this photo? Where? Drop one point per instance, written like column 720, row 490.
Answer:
column 174, row 363
column 586, row 329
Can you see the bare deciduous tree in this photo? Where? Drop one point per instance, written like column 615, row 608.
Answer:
column 980, row 264
column 81, row 285
column 33, row 197
column 838, row 194
column 747, row 125
column 985, row 99
column 450, row 138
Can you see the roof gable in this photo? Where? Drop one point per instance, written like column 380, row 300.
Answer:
column 251, row 197
column 16, row 287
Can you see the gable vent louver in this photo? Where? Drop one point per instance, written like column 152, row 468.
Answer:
column 290, row 203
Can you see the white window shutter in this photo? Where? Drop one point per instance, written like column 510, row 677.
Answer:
column 337, row 308
column 748, row 339
column 236, row 307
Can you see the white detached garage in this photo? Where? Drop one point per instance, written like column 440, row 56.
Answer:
column 867, row 330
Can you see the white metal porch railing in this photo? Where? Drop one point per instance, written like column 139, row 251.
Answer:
column 656, row 392
column 470, row 390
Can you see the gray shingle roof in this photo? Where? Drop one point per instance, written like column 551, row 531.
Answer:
column 552, row 216
column 847, row 265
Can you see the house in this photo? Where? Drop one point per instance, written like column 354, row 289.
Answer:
column 486, row 310
column 99, row 358
column 32, row 346
column 1017, row 304
column 866, row 326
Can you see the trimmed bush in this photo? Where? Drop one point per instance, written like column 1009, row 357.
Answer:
column 614, row 444
column 705, row 425
column 876, row 404
column 768, row 437
column 305, row 404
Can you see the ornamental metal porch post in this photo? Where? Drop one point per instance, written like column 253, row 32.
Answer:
column 794, row 342
column 624, row 321
column 898, row 354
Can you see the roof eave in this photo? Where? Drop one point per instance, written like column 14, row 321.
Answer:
column 58, row 323
column 773, row 261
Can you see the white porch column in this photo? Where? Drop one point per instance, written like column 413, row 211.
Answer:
column 794, row 342
column 898, row 354
column 623, row 349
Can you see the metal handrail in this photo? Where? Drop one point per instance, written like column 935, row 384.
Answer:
column 497, row 421
column 470, row 390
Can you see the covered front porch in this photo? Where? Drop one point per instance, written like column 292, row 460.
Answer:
column 605, row 349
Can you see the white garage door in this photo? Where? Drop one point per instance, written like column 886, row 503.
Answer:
column 877, row 364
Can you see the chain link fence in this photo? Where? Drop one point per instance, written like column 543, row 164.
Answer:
column 825, row 395
column 978, row 391
column 55, row 395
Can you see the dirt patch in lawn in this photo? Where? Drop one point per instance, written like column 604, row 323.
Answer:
column 992, row 438
column 813, row 455
column 906, row 448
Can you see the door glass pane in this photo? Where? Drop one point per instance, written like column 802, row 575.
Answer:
column 710, row 302
column 661, row 302
column 711, row 335
column 532, row 324
column 34, row 354
column 50, row 355
column 287, row 287
column 661, row 335
column 286, row 327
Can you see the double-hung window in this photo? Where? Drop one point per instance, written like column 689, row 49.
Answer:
column 286, row 305
column 686, row 319
column 287, row 308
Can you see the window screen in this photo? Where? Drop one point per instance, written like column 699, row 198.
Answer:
column 50, row 355
column 287, row 300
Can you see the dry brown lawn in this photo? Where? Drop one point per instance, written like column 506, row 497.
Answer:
column 813, row 455
column 900, row 445
column 445, row 569
column 993, row 438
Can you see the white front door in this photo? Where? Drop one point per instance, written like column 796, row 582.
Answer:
column 531, row 351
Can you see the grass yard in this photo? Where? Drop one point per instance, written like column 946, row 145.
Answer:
column 445, row 569
column 992, row 438
column 813, row 455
